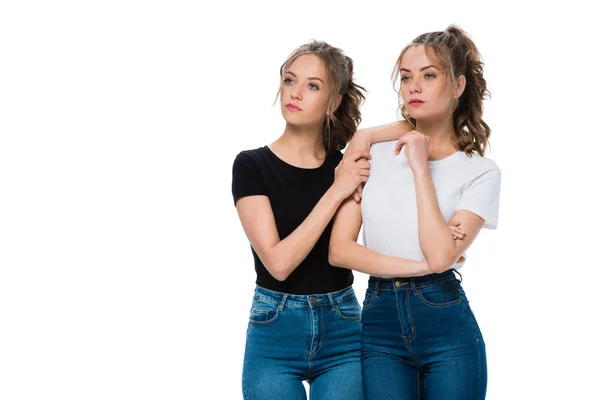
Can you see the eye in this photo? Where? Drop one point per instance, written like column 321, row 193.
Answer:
column 287, row 81
column 429, row 75
column 404, row 78
column 312, row 86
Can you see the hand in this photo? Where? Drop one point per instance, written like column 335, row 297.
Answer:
column 416, row 151
column 456, row 230
column 361, row 141
column 351, row 172
column 457, row 234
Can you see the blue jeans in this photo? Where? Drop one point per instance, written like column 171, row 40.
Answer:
column 295, row 338
column 420, row 340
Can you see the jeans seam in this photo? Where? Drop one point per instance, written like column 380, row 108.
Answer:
column 441, row 305
column 473, row 329
column 399, row 313
column 476, row 394
column 412, row 354
column 410, row 317
column 266, row 322
column 321, row 332
column 434, row 305
column 367, row 306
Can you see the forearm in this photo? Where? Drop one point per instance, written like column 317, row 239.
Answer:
column 387, row 132
column 351, row 255
column 435, row 238
column 288, row 253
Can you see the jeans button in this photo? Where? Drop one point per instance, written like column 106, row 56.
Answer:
column 313, row 299
column 398, row 284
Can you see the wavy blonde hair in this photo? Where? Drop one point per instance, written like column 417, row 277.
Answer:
column 457, row 53
column 341, row 122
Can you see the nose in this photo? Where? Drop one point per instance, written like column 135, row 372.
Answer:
column 415, row 86
column 296, row 93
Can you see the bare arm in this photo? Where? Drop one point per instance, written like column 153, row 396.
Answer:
column 364, row 138
column 281, row 257
column 435, row 238
column 345, row 252
column 383, row 133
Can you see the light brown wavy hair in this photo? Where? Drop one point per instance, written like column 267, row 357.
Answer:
column 455, row 50
column 341, row 122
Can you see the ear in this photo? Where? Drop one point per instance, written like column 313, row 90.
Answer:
column 461, row 84
column 336, row 104
column 338, row 101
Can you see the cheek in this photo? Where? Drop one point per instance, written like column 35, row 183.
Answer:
column 317, row 103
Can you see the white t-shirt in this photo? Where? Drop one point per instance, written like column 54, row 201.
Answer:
column 389, row 204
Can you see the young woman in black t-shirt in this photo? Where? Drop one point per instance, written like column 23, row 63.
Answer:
column 305, row 319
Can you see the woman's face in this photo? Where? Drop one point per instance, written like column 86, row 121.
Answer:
column 425, row 87
column 305, row 91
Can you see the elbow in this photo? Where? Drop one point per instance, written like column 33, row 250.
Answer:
column 278, row 270
column 279, row 273
column 335, row 254
column 281, row 276
column 440, row 263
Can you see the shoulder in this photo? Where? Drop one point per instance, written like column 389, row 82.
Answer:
column 251, row 158
column 481, row 164
column 336, row 156
column 481, row 170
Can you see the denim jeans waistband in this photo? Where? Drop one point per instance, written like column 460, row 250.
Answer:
column 300, row 300
column 408, row 283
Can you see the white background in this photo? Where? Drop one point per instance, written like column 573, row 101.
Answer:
column 124, row 271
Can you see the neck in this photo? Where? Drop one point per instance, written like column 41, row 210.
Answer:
column 442, row 138
column 305, row 141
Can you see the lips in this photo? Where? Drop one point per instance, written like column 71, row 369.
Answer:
column 415, row 102
column 293, row 107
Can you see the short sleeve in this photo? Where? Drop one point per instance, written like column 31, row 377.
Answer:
column 482, row 196
column 246, row 178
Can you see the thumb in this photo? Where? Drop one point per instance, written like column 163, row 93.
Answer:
column 399, row 146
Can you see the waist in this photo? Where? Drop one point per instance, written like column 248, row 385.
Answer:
column 301, row 300
column 415, row 282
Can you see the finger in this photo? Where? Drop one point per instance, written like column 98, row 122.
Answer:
column 356, row 196
column 360, row 154
column 359, row 189
column 364, row 164
column 403, row 140
column 457, row 234
column 460, row 235
column 399, row 146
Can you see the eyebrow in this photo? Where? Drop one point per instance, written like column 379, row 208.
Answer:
column 422, row 69
column 309, row 78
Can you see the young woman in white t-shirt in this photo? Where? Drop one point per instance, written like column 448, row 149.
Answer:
column 420, row 338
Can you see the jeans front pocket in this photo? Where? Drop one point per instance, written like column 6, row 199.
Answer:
column 441, row 294
column 263, row 311
column 369, row 299
column 349, row 308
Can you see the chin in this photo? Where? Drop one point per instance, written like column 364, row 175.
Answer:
column 293, row 118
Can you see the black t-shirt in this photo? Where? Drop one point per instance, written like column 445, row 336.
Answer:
column 293, row 193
